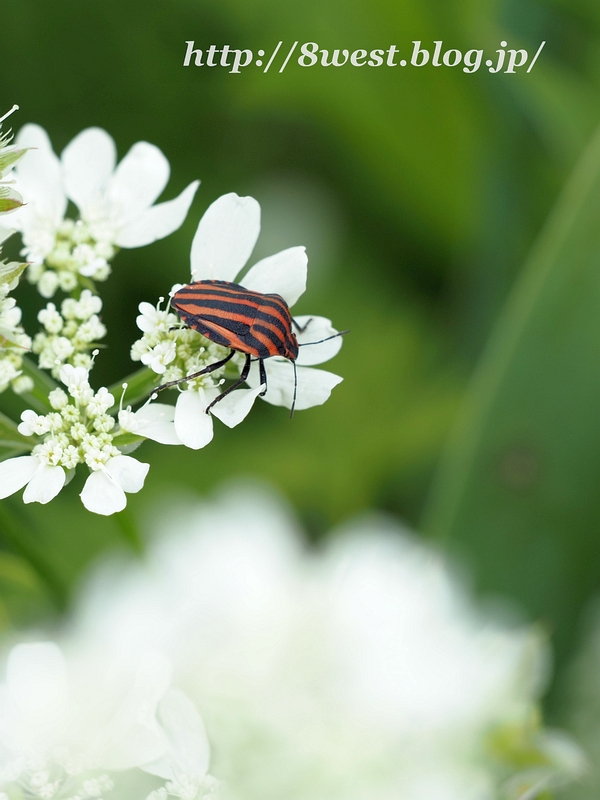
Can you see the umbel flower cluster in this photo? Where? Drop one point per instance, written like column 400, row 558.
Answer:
column 67, row 424
column 359, row 672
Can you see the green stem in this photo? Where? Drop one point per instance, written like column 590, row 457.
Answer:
column 129, row 531
column 43, row 385
column 140, row 385
column 19, row 538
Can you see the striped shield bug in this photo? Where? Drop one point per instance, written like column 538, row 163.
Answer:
column 258, row 325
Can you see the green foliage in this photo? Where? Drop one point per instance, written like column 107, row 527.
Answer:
column 518, row 487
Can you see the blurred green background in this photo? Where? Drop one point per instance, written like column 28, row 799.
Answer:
column 421, row 195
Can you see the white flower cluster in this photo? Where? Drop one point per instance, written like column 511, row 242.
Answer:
column 70, row 334
column 75, row 252
column 173, row 351
column 361, row 671
column 73, row 725
column 115, row 203
column 224, row 240
column 80, row 431
column 14, row 343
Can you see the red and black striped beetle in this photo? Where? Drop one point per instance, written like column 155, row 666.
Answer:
column 258, row 325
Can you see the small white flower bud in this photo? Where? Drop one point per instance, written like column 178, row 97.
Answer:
column 22, row 384
column 48, row 283
column 58, row 399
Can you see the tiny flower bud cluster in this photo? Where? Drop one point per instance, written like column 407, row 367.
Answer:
column 74, row 253
column 188, row 788
column 173, row 351
column 14, row 343
column 78, row 430
column 70, row 334
column 63, row 779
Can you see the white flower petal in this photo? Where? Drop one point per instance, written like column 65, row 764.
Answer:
column 158, row 221
column 314, row 385
column 132, row 737
column 317, row 328
column 156, row 422
column 101, row 495
column 39, row 179
column 36, row 676
column 189, row 750
column 87, row 163
column 155, row 412
column 15, row 473
column 235, row 407
column 45, row 484
column 225, row 238
column 128, row 472
column 193, row 426
column 283, row 273
column 138, row 180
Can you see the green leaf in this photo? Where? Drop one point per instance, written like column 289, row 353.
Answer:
column 26, row 542
column 11, row 271
column 518, row 490
column 37, row 398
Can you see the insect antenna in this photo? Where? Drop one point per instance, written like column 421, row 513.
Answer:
column 335, row 335
column 295, row 389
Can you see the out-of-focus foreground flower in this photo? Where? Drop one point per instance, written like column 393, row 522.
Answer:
column 71, row 724
column 359, row 672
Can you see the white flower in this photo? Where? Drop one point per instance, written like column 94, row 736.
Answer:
column 104, row 490
column 115, row 202
column 221, row 247
column 361, row 671
column 159, row 357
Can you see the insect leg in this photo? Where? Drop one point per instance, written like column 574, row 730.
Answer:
column 243, row 375
column 301, row 328
column 295, row 391
column 205, row 371
column 263, row 376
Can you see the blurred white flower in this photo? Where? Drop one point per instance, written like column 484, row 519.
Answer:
column 223, row 242
column 70, row 724
column 359, row 672
column 115, row 202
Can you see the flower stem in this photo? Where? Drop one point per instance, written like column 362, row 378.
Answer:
column 19, row 538
column 140, row 385
column 129, row 530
